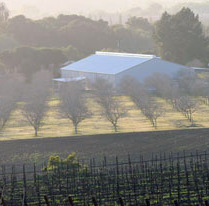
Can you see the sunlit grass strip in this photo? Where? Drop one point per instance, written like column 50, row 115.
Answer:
column 55, row 125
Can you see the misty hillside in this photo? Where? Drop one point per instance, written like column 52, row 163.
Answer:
column 102, row 9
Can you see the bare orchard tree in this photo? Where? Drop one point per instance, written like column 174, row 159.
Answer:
column 139, row 95
column 131, row 87
column 205, row 95
column 174, row 95
column 10, row 93
column 203, row 90
column 6, row 107
column 164, row 87
column 103, row 90
column 174, row 92
column 187, row 106
column 137, row 92
column 73, row 104
column 111, row 107
column 113, row 111
column 160, row 83
column 152, row 111
column 36, row 94
column 188, row 82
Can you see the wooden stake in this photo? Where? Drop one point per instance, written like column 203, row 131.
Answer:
column 70, row 200
column 46, row 200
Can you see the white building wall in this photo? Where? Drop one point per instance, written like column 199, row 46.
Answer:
column 156, row 65
column 88, row 75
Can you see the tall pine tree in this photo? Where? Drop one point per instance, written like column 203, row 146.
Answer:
column 180, row 37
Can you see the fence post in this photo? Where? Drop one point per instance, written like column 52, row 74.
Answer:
column 121, row 201
column 46, row 200
column 147, row 202
column 3, row 202
column 24, row 201
column 176, row 203
column 24, row 187
column 94, row 201
column 70, row 200
column 117, row 176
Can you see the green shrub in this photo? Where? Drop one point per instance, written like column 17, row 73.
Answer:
column 71, row 162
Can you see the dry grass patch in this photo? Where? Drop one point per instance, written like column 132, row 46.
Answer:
column 56, row 126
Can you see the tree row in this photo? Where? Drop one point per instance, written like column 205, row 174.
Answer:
column 184, row 93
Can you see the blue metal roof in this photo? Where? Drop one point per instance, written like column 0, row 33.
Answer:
column 108, row 62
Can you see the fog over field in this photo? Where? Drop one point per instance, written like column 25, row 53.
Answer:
column 40, row 8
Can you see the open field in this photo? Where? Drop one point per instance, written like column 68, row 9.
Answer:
column 55, row 125
column 110, row 145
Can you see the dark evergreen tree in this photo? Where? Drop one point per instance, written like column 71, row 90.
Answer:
column 180, row 37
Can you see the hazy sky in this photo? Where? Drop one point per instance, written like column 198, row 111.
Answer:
column 53, row 7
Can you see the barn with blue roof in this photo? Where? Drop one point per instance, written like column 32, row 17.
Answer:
column 116, row 66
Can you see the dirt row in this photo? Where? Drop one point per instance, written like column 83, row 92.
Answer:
column 109, row 145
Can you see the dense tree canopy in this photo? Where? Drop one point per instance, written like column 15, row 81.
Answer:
column 7, row 42
column 130, row 40
column 139, row 23
column 28, row 60
column 180, row 37
column 82, row 33
column 28, row 45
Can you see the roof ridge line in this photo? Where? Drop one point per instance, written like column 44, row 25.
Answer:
column 125, row 54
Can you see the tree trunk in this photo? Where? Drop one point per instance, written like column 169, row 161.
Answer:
column 190, row 116
column 76, row 128
column 36, row 132
column 155, row 122
column 115, row 127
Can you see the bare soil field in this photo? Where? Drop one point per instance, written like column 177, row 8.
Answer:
column 110, row 145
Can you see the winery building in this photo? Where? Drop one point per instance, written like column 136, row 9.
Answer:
column 115, row 66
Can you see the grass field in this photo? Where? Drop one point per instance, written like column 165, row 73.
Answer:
column 55, row 125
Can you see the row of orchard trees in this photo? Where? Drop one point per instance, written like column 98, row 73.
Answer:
column 141, row 97
column 74, row 102
column 184, row 93
column 33, row 97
